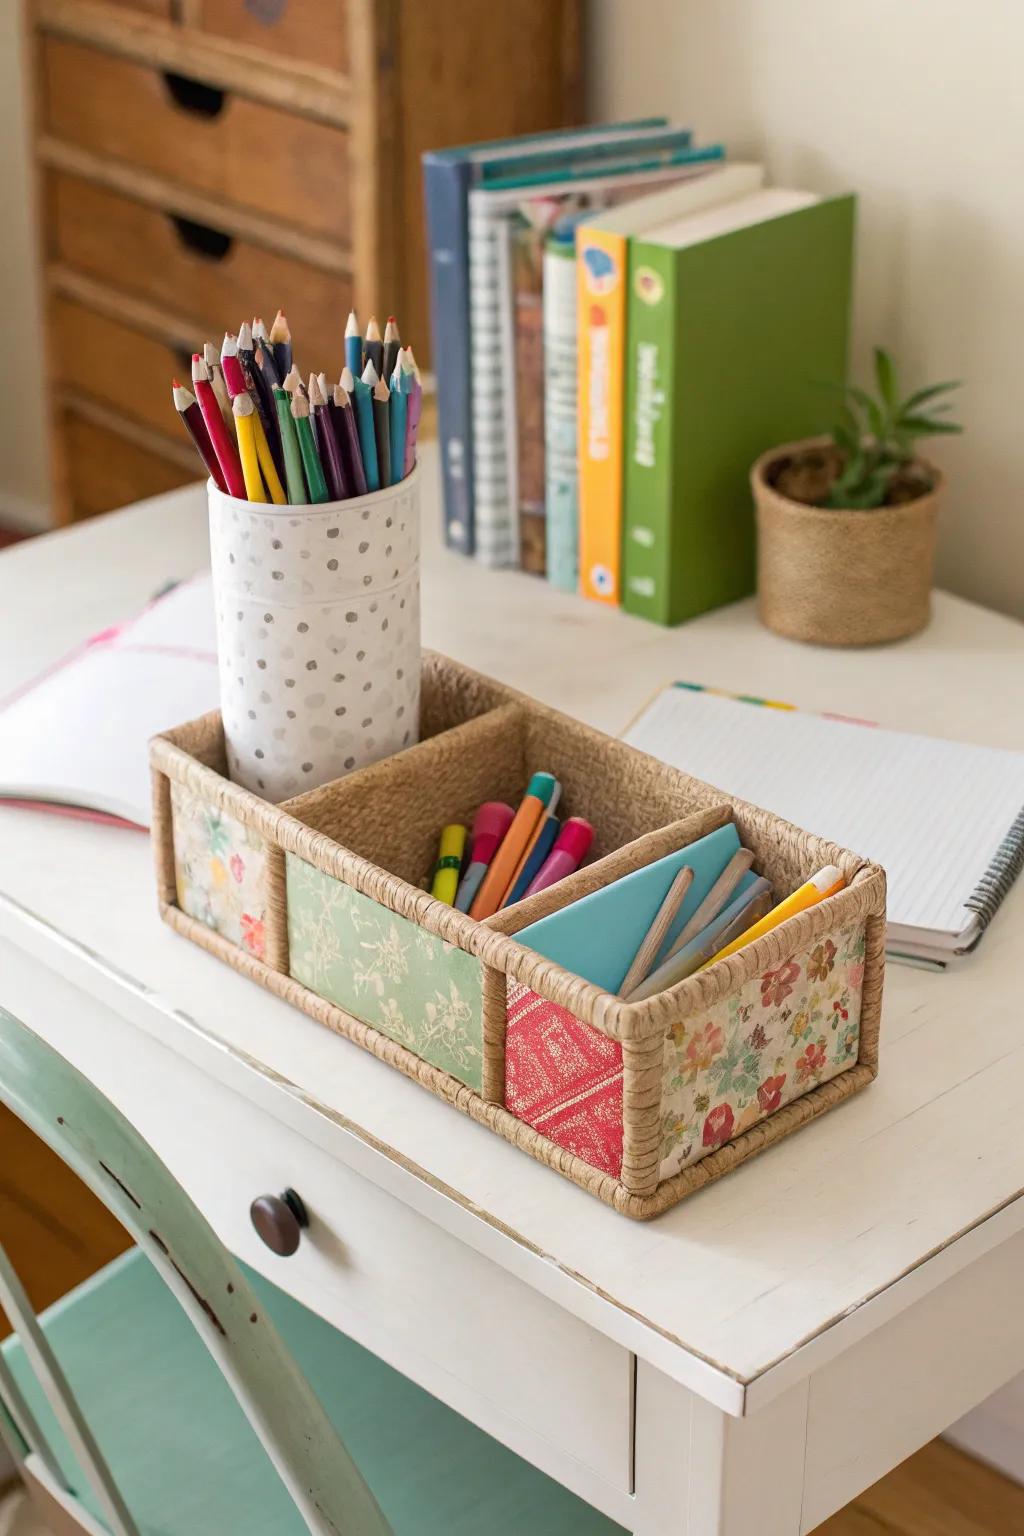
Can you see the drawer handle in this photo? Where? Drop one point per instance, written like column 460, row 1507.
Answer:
column 194, row 95
column 202, row 239
column 280, row 1221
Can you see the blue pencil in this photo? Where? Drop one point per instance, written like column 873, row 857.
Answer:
column 363, row 396
column 541, row 849
column 399, row 408
column 353, row 345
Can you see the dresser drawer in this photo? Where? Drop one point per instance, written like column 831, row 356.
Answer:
column 297, row 29
column 195, row 271
column 243, row 151
column 105, row 470
column 119, row 366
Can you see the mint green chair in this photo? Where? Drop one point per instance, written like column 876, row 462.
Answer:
column 173, row 1355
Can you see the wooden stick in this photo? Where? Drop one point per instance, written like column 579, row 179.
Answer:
column 715, row 899
column 655, row 935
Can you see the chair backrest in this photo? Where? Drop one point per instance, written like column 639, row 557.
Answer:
column 109, row 1155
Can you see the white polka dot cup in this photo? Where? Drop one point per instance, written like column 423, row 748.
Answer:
column 318, row 633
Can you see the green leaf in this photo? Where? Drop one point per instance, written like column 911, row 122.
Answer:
column 868, row 494
column 922, row 395
column 926, row 426
column 885, row 373
column 846, row 434
column 871, row 409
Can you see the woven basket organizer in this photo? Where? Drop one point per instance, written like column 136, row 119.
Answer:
column 323, row 900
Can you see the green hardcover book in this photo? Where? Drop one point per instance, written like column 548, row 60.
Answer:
column 737, row 317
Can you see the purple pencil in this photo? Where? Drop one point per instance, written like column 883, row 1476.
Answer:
column 327, row 443
column 343, row 412
column 415, row 408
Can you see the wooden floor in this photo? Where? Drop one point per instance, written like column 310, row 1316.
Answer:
column 56, row 1234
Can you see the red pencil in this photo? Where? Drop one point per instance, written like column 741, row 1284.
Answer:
column 195, row 426
column 234, row 378
column 223, row 447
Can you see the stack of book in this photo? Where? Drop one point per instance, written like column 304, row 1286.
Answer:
column 622, row 323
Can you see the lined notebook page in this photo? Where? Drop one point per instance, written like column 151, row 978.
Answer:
column 933, row 812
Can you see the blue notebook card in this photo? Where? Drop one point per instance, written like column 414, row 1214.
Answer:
column 597, row 936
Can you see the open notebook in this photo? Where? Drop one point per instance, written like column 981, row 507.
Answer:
column 945, row 819
column 78, row 736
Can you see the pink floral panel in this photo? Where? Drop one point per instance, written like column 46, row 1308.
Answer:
column 564, row 1078
column 219, row 869
column 780, row 1035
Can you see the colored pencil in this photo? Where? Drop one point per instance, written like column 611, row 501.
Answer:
column 373, row 347
column 716, row 898
column 316, row 482
column 362, row 395
column 260, row 391
column 398, row 410
column 353, row 344
column 392, row 346
column 657, row 933
column 290, row 445
column 223, row 446
column 234, row 378
column 245, row 427
column 382, row 430
column 327, row 443
column 220, row 389
column 266, row 365
column 344, row 411
column 292, row 381
column 281, row 341
column 415, row 411
column 187, row 408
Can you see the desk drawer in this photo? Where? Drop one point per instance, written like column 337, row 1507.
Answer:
column 217, row 142
column 197, row 272
column 106, row 470
column 296, row 29
column 119, row 366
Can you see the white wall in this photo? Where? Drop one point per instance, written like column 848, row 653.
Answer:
column 24, row 487
column 917, row 105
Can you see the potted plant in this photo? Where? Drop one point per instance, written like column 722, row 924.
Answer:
column 846, row 523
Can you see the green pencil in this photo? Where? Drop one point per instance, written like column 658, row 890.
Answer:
column 290, row 444
column 315, row 478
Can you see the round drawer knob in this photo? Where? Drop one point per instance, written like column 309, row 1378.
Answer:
column 279, row 1220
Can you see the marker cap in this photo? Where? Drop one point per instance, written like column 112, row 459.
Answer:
column 491, row 822
column 542, row 786
column 575, row 838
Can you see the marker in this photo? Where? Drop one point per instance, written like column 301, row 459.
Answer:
column 556, row 795
column 542, row 847
column 490, row 824
column 353, row 345
column 449, row 862
column 743, row 910
column 825, row 883
column 495, row 883
column 568, row 854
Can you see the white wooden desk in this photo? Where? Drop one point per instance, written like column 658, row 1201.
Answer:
column 746, row 1363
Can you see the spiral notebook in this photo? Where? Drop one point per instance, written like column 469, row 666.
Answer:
column 944, row 818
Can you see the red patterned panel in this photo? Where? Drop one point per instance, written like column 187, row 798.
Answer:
column 564, row 1078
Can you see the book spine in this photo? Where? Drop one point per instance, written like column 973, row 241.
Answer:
column 493, row 390
column 601, row 326
column 528, row 283
column 445, row 186
column 650, row 437
column 560, row 416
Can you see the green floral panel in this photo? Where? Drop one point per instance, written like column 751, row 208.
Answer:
column 387, row 971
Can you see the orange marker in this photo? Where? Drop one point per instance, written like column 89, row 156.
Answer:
column 505, row 862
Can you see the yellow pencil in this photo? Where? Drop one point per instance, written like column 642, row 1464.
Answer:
column 269, row 468
column 245, row 428
column 825, row 883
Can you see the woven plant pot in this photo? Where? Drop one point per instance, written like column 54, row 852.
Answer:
column 842, row 577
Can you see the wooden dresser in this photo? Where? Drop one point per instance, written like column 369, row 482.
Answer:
column 201, row 161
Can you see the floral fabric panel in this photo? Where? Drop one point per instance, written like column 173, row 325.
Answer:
column 219, row 869
column 780, row 1035
column 386, row 970
column 564, row 1078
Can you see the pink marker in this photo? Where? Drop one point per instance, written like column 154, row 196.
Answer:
column 570, row 850
column 490, row 824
